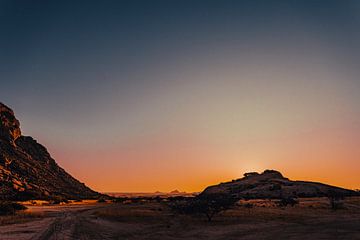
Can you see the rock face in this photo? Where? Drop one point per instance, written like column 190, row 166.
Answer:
column 272, row 184
column 27, row 170
column 9, row 125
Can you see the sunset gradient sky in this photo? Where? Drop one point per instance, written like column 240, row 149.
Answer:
column 140, row 96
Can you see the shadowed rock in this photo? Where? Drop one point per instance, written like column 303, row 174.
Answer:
column 27, row 171
column 272, row 184
column 9, row 125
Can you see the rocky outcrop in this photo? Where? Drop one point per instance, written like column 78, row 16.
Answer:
column 9, row 125
column 272, row 184
column 27, row 171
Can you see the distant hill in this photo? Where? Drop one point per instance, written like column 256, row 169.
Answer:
column 272, row 184
column 27, row 171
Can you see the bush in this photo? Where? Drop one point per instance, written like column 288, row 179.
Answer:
column 101, row 200
column 275, row 187
column 176, row 198
column 284, row 202
column 248, row 205
column 10, row 208
column 58, row 200
column 119, row 199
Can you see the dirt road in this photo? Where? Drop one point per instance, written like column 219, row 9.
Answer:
column 62, row 224
column 152, row 221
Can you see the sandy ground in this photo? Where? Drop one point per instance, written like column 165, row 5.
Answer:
column 310, row 220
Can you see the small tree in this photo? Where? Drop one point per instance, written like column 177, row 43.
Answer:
column 335, row 198
column 208, row 205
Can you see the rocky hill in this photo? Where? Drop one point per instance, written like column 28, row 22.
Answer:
column 272, row 184
column 27, row 171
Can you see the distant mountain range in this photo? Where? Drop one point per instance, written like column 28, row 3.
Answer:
column 27, row 171
column 272, row 184
column 150, row 194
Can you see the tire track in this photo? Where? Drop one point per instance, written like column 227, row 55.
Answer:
column 75, row 225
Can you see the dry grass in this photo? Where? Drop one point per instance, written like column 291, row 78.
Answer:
column 133, row 213
column 311, row 219
column 20, row 217
column 47, row 203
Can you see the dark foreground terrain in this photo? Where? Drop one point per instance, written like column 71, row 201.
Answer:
column 311, row 219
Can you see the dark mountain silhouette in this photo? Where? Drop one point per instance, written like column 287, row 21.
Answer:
column 27, row 171
column 272, row 184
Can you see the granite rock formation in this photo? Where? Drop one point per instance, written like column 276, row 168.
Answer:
column 272, row 184
column 27, row 171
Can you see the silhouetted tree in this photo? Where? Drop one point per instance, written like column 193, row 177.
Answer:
column 208, row 205
column 335, row 198
column 250, row 174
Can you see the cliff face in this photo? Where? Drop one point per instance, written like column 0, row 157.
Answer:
column 272, row 184
column 9, row 125
column 27, row 171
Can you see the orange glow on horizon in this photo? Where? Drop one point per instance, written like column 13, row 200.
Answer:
column 190, row 166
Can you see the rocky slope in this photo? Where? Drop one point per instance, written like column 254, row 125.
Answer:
column 27, row 171
column 272, row 184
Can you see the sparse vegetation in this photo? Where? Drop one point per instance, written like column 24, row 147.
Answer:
column 248, row 206
column 289, row 201
column 10, row 208
column 208, row 205
column 101, row 200
column 335, row 199
column 19, row 217
column 58, row 200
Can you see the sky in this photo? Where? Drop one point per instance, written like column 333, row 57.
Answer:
column 142, row 96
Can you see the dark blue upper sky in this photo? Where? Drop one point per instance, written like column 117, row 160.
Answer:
column 67, row 46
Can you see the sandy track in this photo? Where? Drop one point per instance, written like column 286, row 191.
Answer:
column 61, row 224
column 79, row 224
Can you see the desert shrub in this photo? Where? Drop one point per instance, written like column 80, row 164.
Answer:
column 157, row 199
column 275, row 187
column 176, row 198
column 284, row 202
column 119, row 199
column 18, row 206
column 58, row 200
column 208, row 205
column 250, row 174
column 248, row 206
column 10, row 208
column 335, row 199
column 101, row 200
